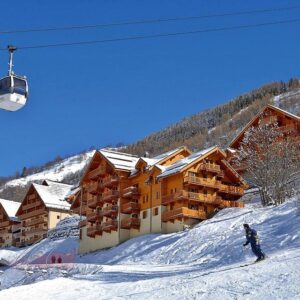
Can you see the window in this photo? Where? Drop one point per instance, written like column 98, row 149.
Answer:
column 157, row 195
column 155, row 211
column 58, row 217
column 144, row 214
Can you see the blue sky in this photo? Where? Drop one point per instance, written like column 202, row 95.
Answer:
column 120, row 92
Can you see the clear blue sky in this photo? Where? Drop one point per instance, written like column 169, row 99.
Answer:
column 120, row 92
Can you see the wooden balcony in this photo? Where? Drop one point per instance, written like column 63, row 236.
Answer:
column 110, row 195
column 95, row 201
column 185, row 195
column 228, row 203
column 4, row 223
column 31, row 205
column 130, row 207
column 94, row 230
column 132, row 192
column 35, row 221
column 131, row 223
column 92, row 187
column 210, row 167
column 38, row 231
column 82, row 223
column 32, row 213
column 289, row 129
column 109, row 225
column 183, row 212
column 110, row 181
column 110, row 211
column 228, row 189
column 199, row 181
column 94, row 216
column 100, row 171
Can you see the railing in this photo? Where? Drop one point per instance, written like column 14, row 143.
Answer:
column 228, row 203
column 130, row 192
column 39, row 230
column 210, row 167
column 82, row 223
column 41, row 219
column 231, row 189
column 4, row 224
column 92, row 187
column 110, row 210
column 94, row 230
column 94, row 216
column 185, row 195
column 201, row 181
column 110, row 180
column 289, row 128
column 109, row 225
column 130, row 223
column 130, row 207
column 109, row 195
column 95, row 201
column 97, row 172
column 31, row 205
column 183, row 212
column 32, row 213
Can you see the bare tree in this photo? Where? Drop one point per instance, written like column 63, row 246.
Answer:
column 271, row 160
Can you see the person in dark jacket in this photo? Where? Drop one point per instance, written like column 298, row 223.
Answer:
column 252, row 238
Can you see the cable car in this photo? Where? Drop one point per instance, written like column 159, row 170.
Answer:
column 13, row 88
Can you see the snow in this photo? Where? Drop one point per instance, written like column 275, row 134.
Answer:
column 54, row 195
column 180, row 164
column 58, row 172
column 10, row 207
column 200, row 263
column 120, row 160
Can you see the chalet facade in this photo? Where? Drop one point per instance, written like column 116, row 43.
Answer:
column 9, row 224
column 41, row 209
column 288, row 124
column 126, row 196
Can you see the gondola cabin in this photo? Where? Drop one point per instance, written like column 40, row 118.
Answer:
column 13, row 92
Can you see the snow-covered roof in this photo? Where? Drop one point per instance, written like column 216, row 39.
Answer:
column 120, row 160
column 54, row 195
column 166, row 154
column 10, row 207
column 180, row 164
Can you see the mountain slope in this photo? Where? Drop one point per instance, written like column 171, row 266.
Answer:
column 202, row 262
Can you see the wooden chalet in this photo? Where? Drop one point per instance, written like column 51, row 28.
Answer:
column 43, row 206
column 288, row 124
column 9, row 224
column 194, row 188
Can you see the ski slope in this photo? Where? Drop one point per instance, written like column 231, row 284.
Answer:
column 201, row 263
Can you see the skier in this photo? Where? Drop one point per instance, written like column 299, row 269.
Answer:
column 252, row 238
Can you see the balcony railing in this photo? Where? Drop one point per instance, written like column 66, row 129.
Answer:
column 92, row 187
column 131, row 223
column 228, row 203
column 131, row 192
column 4, row 224
column 94, row 216
column 183, row 212
column 110, row 211
column 210, row 167
column 109, row 225
column 185, row 195
column 39, row 230
column 97, row 172
column 228, row 189
column 35, row 221
column 110, row 181
column 31, row 205
column 32, row 213
column 110, row 195
column 95, row 201
column 94, row 230
column 130, row 207
column 194, row 180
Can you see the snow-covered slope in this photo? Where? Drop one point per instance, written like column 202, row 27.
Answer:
column 201, row 263
column 58, row 172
